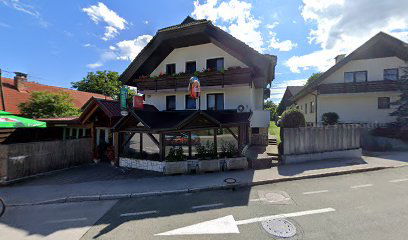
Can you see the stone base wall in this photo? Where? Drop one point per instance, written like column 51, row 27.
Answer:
column 142, row 164
column 259, row 139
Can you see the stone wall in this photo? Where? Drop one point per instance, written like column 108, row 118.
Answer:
column 259, row 139
column 142, row 164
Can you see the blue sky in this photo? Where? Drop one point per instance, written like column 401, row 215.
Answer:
column 58, row 42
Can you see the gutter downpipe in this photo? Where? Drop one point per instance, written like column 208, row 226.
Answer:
column 2, row 93
column 317, row 93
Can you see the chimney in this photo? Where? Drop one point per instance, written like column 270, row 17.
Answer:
column 339, row 57
column 19, row 81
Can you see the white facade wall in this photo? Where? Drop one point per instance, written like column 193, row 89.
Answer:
column 199, row 54
column 233, row 97
column 357, row 108
column 374, row 67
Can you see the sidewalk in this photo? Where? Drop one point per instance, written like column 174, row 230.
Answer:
column 138, row 187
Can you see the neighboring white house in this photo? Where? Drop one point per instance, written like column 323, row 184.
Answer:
column 360, row 86
column 233, row 76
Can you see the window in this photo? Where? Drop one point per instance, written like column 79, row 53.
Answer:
column 215, row 64
column 360, row 76
column 170, row 69
column 312, row 107
column 391, row 74
column 215, row 101
column 190, row 67
column 170, row 103
column 383, row 103
column 255, row 130
column 305, row 108
column 191, row 103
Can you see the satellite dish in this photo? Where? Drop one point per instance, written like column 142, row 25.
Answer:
column 240, row 108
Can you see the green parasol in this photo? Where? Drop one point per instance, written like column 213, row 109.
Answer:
column 8, row 120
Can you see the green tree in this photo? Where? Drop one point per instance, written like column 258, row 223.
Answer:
column 313, row 78
column 402, row 110
column 102, row 82
column 271, row 106
column 49, row 105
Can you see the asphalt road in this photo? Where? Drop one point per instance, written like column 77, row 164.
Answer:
column 370, row 205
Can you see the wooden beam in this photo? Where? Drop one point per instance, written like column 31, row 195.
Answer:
column 232, row 133
column 130, row 137
column 215, row 140
column 162, row 147
column 116, row 146
column 154, row 139
column 141, row 142
column 189, row 146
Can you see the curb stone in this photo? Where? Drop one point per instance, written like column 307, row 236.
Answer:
column 103, row 197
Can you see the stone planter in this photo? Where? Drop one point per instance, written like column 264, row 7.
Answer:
column 213, row 165
column 236, row 163
column 175, row 167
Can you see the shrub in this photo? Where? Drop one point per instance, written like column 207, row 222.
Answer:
column 206, row 151
column 330, row 118
column 293, row 118
column 176, row 155
column 229, row 150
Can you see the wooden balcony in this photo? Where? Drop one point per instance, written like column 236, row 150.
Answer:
column 361, row 87
column 228, row 77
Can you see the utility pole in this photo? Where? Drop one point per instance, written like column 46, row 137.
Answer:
column 2, row 93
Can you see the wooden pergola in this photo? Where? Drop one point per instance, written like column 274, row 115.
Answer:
column 162, row 123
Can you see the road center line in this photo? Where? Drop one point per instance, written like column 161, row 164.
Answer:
column 399, row 180
column 361, row 186
column 207, row 206
column 285, row 215
column 67, row 220
column 315, row 192
column 138, row 213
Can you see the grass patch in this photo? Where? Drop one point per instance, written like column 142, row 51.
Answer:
column 274, row 130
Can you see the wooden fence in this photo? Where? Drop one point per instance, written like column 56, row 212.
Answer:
column 25, row 159
column 320, row 139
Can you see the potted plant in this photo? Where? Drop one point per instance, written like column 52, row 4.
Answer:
column 175, row 161
column 209, row 161
column 233, row 158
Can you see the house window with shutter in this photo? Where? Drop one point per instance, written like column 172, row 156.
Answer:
column 170, row 69
column 190, row 67
column 215, row 64
column 170, row 103
column 391, row 74
column 215, row 101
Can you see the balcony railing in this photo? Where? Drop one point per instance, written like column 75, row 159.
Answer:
column 360, row 87
column 215, row 78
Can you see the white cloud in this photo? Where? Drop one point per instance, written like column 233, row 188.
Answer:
column 282, row 46
column 25, row 8
column 94, row 65
column 101, row 13
column 87, row 45
column 233, row 16
column 128, row 49
column 343, row 25
column 2, row 24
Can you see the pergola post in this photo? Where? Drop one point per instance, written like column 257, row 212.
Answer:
column 116, row 146
column 141, row 142
column 162, row 147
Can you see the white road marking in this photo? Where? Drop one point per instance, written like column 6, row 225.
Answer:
column 207, row 206
column 285, row 215
column 399, row 180
column 67, row 220
column 228, row 224
column 138, row 213
column 361, row 186
column 256, row 199
column 315, row 192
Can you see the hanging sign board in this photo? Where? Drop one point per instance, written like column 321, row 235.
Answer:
column 194, row 87
column 123, row 101
column 138, row 102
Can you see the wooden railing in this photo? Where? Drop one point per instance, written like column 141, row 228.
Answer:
column 228, row 77
column 370, row 86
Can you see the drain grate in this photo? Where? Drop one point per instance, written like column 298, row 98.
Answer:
column 279, row 228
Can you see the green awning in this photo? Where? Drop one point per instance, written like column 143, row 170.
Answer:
column 8, row 120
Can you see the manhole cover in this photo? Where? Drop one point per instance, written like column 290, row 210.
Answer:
column 279, row 228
